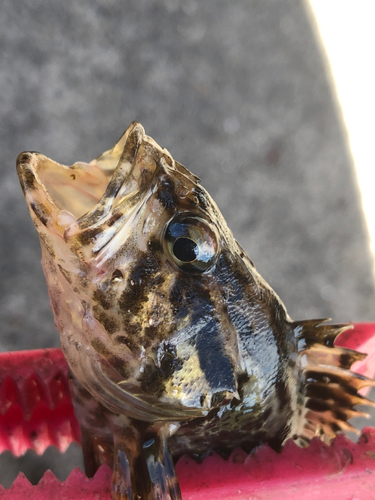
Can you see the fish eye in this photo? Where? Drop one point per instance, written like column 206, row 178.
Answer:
column 191, row 243
column 185, row 249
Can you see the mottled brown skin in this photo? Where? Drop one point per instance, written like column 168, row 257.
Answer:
column 174, row 341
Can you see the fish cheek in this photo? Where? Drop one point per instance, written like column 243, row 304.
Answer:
column 133, row 297
column 140, row 281
column 152, row 380
column 115, row 361
column 131, row 303
column 102, row 298
column 109, row 323
column 142, row 305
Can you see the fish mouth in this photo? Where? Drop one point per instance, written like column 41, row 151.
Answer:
column 74, row 190
column 87, row 196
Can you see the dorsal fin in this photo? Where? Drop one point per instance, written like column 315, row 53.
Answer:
column 328, row 390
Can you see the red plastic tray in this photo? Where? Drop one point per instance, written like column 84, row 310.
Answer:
column 36, row 412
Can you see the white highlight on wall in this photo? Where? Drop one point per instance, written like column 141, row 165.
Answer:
column 348, row 36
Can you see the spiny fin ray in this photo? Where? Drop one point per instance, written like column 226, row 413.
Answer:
column 328, row 390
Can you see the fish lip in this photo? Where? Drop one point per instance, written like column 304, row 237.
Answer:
column 25, row 157
column 27, row 164
column 24, row 169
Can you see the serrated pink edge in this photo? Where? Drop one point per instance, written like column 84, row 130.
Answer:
column 345, row 468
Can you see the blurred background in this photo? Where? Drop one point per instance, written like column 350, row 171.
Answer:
column 245, row 93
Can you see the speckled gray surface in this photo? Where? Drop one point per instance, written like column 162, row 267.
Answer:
column 237, row 91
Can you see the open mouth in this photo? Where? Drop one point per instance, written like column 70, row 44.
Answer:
column 99, row 196
column 85, row 192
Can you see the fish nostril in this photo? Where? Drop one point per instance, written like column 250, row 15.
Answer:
column 117, row 275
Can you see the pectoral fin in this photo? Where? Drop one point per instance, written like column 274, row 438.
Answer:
column 328, row 390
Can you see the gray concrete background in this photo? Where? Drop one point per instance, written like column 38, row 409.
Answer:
column 237, row 91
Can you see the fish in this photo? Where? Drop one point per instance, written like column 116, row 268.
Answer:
column 175, row 343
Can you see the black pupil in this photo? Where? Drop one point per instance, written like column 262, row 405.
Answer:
column 185, row 250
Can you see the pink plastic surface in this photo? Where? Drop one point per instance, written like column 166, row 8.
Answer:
column 36, row 411
column 35, row 406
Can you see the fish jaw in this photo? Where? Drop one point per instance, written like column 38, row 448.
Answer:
column 66, row 199
column 58, row 195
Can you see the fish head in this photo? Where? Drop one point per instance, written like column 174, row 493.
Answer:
column 147, row 284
